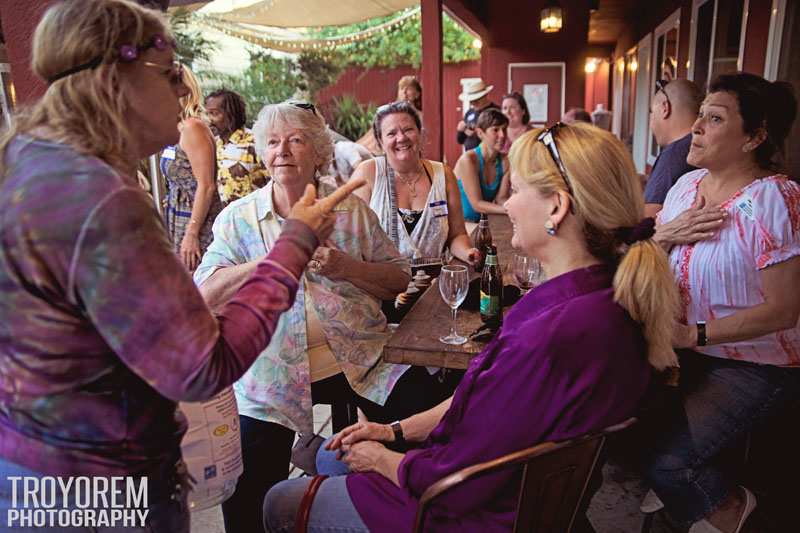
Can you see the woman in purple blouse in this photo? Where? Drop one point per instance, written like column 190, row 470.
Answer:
column 102, row 330
column 573, row 356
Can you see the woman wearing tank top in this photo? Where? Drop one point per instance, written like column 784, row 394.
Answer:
column 416, row 200
column 483, row 172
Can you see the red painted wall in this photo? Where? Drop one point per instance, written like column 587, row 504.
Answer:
column 509, row 40
column 19, row 19
column 379, row 86
column 756, row 37
column 597, row 87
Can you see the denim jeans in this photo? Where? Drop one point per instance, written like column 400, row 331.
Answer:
column 720, row 400
column 331, row 511
column 168, row 511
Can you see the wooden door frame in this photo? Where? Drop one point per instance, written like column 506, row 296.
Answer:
column 561, row 64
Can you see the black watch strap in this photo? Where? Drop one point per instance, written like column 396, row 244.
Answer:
column 702, row 339
column 398, row 432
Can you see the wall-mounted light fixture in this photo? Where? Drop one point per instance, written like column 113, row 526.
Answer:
column 591, row 65
column 552, row 17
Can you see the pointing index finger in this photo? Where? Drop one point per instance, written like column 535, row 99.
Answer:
column 327, row 204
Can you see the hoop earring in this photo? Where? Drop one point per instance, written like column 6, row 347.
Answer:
column 550, row 228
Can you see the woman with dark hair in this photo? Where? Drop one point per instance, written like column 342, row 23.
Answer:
column 240, row 170
column 733, row 261
column 483, row 171
column 416, row 200
column 516, row 109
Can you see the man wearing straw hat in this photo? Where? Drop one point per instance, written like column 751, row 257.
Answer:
column 474, row 95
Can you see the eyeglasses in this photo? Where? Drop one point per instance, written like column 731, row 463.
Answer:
column 305, row 105
column 661, row 86
column 547, row 138
column 173, row 72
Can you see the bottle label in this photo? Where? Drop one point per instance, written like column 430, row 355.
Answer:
column 491, row 260
column 490, row 305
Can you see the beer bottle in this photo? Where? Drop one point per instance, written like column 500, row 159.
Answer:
column 482, row 239
column 491, row 290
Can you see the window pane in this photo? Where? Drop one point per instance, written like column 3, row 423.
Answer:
column 789, row 70
column 727, row 36
column 702, row 48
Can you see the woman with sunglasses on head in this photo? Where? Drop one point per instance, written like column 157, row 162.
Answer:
column 416, row 200
column 555, row 371
column 103, row 330
column 732, row 229
column 190, row 170
column 483, row 171
column 328, row 347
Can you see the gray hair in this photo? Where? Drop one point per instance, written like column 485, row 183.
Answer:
column 302, row 116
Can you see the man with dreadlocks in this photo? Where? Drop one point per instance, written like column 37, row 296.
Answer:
column 240, row 170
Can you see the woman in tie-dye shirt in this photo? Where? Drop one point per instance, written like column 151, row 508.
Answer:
column 733, row 232
column 328, row 347
column 101, row 329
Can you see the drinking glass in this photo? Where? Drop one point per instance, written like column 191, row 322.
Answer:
column 453, row 285
column 526, row 271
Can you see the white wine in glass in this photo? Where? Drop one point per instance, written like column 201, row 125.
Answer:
column 453, row 285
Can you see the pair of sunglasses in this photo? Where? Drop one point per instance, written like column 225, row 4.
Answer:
column 174, row 72
column 305, row 105
column 548, row 138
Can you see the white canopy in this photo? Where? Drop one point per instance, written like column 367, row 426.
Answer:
column 304, row 13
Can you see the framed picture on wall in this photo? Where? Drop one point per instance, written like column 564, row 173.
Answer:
column 535, row 95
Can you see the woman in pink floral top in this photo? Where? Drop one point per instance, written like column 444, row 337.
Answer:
column 732, row 229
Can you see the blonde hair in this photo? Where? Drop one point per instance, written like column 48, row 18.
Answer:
column 85, row 110
column 192, row 103
column 607, row 195
column 299, row 115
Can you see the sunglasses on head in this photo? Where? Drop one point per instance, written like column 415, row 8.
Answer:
column 548, row 139
column 305, row 105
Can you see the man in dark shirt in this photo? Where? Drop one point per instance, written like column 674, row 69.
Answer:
column 475, row 96
column 673, row 111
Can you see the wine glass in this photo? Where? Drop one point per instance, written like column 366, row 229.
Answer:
column 526, row 271
column 453, row 285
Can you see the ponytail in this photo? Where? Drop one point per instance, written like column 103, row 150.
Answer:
column 645, row 286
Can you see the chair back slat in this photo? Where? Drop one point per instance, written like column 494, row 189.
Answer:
column 553, row 486
column 555, row 478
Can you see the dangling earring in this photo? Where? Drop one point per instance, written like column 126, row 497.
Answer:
column 550, row 228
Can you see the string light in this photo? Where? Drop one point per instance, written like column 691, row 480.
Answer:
column 266, row 40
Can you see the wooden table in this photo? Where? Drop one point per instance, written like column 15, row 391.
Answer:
column 416, row 340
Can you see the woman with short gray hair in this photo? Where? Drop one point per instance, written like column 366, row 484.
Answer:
column 327, row 348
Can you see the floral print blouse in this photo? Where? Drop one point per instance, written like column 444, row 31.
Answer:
column 277, row 388
column 240, row 170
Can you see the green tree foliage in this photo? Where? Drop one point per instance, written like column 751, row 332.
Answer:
column 402, row 46
column 267, row 80
column 350, row 118
column 319, row 70
column 192, row 44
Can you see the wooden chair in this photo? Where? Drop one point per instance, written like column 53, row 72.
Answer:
column 555, row 476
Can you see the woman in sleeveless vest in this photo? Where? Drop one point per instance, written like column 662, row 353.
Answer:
column 483, row 177
column 416, row 200
column 190, row 170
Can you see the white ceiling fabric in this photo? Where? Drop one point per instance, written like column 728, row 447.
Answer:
column 304, row 13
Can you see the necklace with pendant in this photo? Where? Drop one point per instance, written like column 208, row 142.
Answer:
column 411, row 184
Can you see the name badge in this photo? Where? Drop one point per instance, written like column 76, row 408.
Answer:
column 168, row 153
column 439, row 208
column 745, row 206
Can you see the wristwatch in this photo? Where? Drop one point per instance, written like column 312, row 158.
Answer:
column 398, row 432
column 702, row 339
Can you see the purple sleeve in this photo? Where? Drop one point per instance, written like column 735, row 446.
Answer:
column 144, row 304
column 517, row 391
